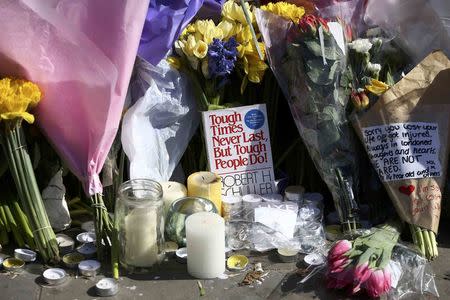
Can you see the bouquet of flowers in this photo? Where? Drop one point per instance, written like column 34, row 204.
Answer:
column 379, row 60
column 308, row 58
column 17, row 97
column 218, row 57
column 213, row 53
column 365, row 263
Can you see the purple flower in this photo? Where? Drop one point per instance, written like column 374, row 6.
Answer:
column 222, row 58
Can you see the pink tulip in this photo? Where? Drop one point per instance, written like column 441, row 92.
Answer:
column 339, row 280
column 387, row 278
column 339, row 249
column 339, row 264
column 361, row 274
column 376, row 284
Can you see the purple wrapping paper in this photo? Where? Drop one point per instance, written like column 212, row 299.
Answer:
column 165, row 21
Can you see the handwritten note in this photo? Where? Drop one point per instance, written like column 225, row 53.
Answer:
column 404, row 150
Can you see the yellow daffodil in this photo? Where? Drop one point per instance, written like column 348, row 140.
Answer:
column 286, row 10
column 189, row 46
column 377, row 87
column 234, row 12
column 16, row 97
column 188, row 30
column 200, row 50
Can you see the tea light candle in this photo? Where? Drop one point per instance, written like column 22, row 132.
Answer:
column 206, row 185
column 89, row 268
column 25, row 254
column 88, row 250
column 141, row 248
column 65, row 243
column 172, row 191
column 205, row 239
column 54, row 276
column 107, row 287
column 86, row 237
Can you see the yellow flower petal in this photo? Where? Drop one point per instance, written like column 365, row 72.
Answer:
column 244, row 36
column 234, row 12
column 201, row 49
column 286, row 10
column 16, row 97
column 13, row 115
column 189, row 46
column 227, row 28
column 377, row 87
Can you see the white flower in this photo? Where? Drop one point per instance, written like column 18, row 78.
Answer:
column 361, row 45
column 374, row 68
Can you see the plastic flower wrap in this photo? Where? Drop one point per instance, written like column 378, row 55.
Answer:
column 83, row 64
column 166, row 20
column 364, row 264
column 308, row 59
column 212, row 53
column 383, row 52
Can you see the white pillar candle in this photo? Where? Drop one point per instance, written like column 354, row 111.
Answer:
column 141, row 248
column 205, row 239
column 172, row 191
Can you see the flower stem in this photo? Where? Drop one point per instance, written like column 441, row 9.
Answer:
column 13, row 143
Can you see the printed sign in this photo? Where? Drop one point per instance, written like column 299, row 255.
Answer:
column 238, row 148
column 404, row 150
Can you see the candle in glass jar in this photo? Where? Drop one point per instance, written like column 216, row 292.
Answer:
column 141, row 247
column 205, row 239
column 206, row 185
column 172, row 191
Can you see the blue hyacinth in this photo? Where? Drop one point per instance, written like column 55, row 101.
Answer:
column 222, row 57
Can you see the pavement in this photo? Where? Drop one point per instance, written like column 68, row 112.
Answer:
column 171, row 281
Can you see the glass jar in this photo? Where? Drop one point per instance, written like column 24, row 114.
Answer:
column 179, row 211
column 139, row 215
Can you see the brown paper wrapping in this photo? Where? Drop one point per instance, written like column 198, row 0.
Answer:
column 423, row 95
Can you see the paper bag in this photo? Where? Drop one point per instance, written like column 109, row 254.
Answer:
column 406, row 135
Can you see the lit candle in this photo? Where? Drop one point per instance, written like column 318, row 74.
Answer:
column 205, row 239
column 141, row 246
column 172, row 191
column 206, row 185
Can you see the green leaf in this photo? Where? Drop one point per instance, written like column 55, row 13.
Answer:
column 318, row 72
column 294, row 51
column 331, row 49
column 389, row 78
column 347, row 78
column 333, row 70
column 366, row 256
